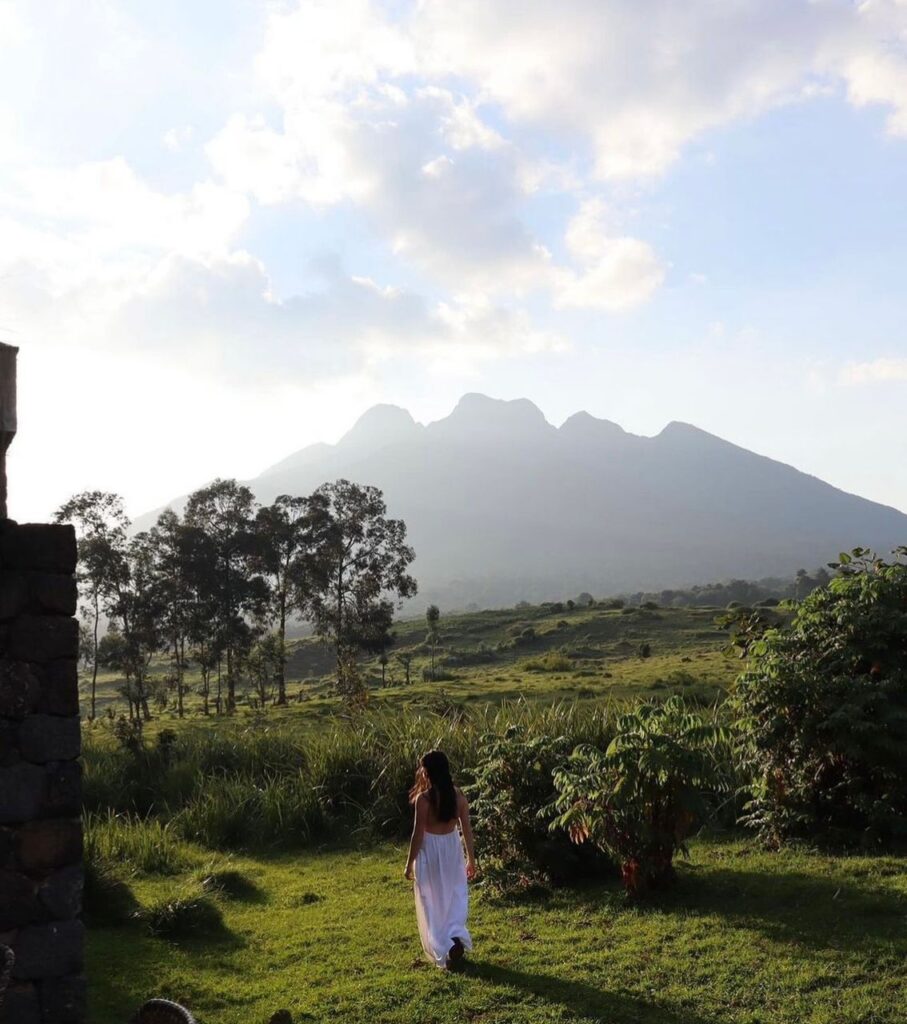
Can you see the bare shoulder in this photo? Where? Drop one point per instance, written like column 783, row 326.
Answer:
column 461, row 798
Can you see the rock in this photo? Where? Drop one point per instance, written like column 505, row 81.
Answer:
column 22, row 791
column 19, row 904
column 13, row 594
column 49, row 950
column 20, row 688
column 53, row 593
column 9, row 743
column 59, row 693
column 43, row 638
column 63, row 790
column 281, row 1017
column 43, row 846
column 20, row 1005
column 61, row 893
column 63, row 1000
column 44, row 738
column 39, row 546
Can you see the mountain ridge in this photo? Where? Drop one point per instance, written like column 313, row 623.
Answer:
column 501, row 505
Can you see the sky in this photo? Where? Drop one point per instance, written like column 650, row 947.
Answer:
column 229, row 227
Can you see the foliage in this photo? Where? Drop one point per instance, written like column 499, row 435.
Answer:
column 553, row 661
column 360, row 575
column 824, row 706
column 638, row 800
column 511, row 795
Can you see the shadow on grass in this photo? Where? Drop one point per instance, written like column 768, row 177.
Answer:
column 582, row 999
column 795, row 907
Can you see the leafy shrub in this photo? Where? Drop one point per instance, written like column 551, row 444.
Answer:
column 613, row 603
column 511, row 799
column 638, row 800
column 650, row 606
column 482, row 655
column 824, row 706
column 553, row 661
column 645, row 650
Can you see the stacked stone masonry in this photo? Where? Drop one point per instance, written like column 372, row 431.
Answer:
column 40, row 776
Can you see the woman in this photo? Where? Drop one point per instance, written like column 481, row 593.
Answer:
column 436, row 858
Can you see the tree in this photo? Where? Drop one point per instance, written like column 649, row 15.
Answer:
column 171, row 548
column 406, row 660
column 571, row 604
column 135, row 608
column 287, row 535
column 224, row 512
column 432, row 617
column 264, row 663
column 823, row 705
column 585, row 600
column 382, row 661
column 101, row 524
column 360, row 573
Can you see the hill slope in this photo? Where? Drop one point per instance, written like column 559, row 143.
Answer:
column 502, row 506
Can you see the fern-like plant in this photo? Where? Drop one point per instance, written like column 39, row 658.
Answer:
column 639, row 800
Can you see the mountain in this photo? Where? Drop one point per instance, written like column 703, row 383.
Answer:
column 502, row 506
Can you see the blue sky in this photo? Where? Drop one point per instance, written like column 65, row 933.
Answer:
column 231, row 227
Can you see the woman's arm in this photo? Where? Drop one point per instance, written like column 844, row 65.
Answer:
column 415, row 843
column 466, row 829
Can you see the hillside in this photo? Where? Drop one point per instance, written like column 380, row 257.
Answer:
column 502, row 506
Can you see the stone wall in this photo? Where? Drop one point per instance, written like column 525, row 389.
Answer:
column 40, row 776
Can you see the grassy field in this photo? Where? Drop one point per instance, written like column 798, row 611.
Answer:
column 586, row 654
column 746, row 937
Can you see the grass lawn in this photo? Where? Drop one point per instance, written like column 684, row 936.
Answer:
column 745, row 937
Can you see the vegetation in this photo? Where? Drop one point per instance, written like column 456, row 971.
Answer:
column 824, row 706
column 640, row 799
column 792, row 937
column 218, row 586
column 627, row 745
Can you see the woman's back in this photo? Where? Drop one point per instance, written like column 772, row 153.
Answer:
column 433, row 822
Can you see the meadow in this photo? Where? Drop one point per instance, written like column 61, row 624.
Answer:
column 248, row 863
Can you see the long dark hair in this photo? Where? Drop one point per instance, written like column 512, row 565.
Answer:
column 436, row 781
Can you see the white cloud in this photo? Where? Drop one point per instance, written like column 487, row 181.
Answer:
column 616, row 272
column 874, row 372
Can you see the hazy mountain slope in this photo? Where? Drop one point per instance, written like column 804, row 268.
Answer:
column 501, row 505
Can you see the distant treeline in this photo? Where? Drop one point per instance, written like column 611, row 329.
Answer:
column 744, row 592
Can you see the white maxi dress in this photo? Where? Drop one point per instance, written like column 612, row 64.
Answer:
column 442, row 896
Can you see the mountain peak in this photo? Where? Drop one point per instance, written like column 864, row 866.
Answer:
column 477, row 415
column 585, row 426
column 379, row 426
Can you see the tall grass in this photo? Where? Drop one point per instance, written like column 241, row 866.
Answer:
column 253, row 787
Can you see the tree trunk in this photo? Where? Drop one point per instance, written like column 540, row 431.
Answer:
column 94, row 659
column 231, row 682
column 282, row 660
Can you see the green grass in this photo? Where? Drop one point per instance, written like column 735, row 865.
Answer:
column 746, row 937
column 586, row 654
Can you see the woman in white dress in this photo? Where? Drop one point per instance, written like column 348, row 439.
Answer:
column 436, row 860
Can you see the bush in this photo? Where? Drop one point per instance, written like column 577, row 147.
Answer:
column 824, row 707
column 644, row 650
column 511, row 797
column 553, row 661
column 638, row 800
